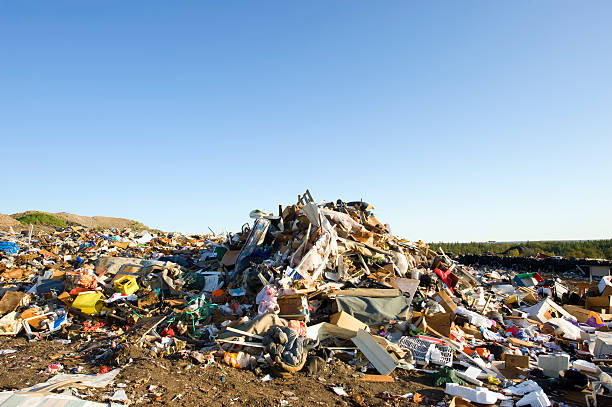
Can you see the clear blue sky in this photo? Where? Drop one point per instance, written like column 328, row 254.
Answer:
column 458, row 120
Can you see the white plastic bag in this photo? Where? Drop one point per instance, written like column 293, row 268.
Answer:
column 266, row 299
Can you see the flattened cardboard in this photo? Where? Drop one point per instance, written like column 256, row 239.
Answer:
column 11, row 300
column 446, row 301
column 230, row 257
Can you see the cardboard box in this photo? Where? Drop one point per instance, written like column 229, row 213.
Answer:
column 581, row 314
column 347, row 321
column 582, row 288
column 441, row 323
column 13, row 299
column 513, row 361
column 599, row 303
column 294, row 307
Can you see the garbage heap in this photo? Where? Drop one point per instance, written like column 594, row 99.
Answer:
column 312, row 282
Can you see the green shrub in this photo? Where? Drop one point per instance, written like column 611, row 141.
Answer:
column 137, row 225
column 39, row 218
column 513, row 253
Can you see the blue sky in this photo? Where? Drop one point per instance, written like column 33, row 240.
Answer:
column 459, row 121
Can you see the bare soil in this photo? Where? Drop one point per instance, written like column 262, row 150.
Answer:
column 7, row 221
column 162, row 381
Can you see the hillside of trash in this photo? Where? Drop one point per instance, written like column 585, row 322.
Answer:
column 316, row 303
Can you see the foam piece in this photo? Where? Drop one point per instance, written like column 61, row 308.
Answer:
column 520, row 389
column 471, row 375
column 553, row 364
column 534, row 399
column 478, row 395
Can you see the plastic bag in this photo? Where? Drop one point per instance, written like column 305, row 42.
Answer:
column 266, row 299
column 238, row 360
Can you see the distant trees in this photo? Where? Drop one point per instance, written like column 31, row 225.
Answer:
column 513, row 253
column 594, row 249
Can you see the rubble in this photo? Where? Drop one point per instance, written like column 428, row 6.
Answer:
column 298, row 289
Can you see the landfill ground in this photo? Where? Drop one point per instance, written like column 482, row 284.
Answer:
column 318, row 304
column 177, row 382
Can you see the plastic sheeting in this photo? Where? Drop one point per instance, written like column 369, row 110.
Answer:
column 9, row 247
column 370, row 310
column 326, row 247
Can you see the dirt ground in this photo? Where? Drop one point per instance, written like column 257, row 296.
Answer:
column 7, row 222
column 163, row 381
column 158, row 381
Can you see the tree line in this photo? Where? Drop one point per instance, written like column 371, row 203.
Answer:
column 588, row 249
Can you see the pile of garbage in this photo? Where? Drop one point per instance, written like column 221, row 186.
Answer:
column 297, row 288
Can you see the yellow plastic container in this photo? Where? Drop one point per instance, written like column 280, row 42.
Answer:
column 514, row 299
column 89, row 302
column 126, row 285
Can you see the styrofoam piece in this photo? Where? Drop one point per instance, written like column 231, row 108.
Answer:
column 567, row 329
column 543, row 310
column 587, row 367
column 603, row 344
column 525, row 387
column 119, row 395
column 471, row 375
column 480, row 395
column 534, row 399
column 474, row 317
column 473, row 372
column 553, row 364
column 504, row 289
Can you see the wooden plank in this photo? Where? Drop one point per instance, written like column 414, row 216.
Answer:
column 519, row 342
column 143, row 326
column 376, row 378
column 252, row 344
column 369, row 292
column 238, row 331
column 445, row 301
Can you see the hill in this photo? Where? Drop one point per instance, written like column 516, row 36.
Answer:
column 49, row 221
column 7, row 222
